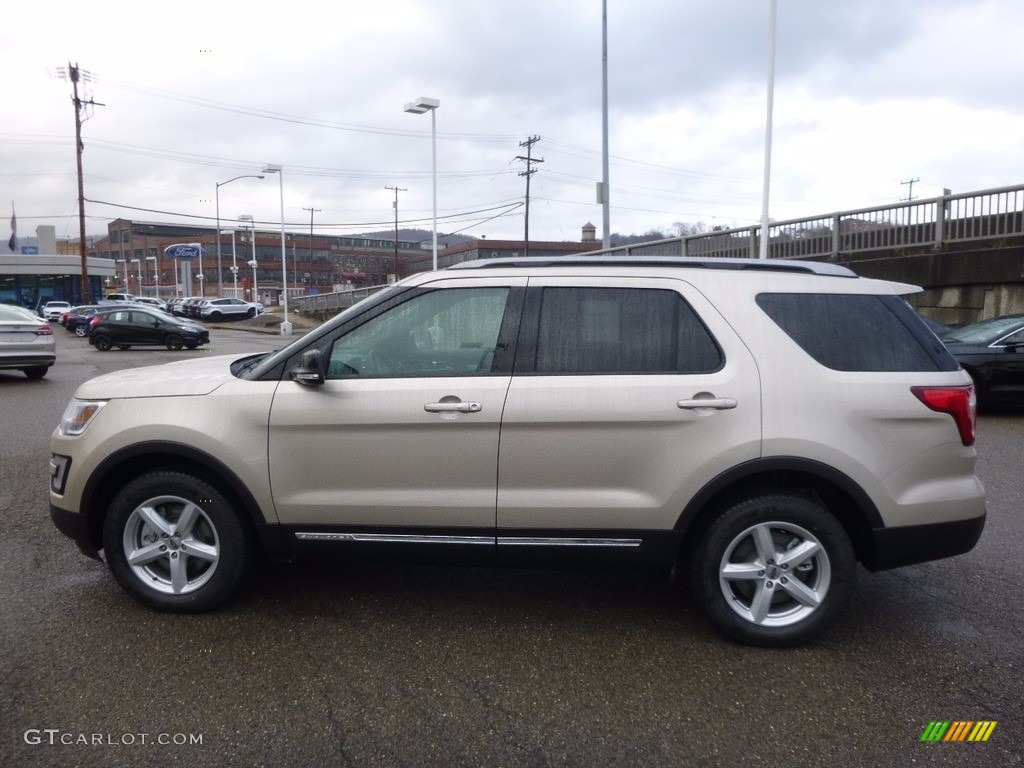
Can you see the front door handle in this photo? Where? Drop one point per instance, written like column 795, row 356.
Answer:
column 457, row 407
column 715, row 403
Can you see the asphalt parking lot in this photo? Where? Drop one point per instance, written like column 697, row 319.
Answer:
column 365, row 665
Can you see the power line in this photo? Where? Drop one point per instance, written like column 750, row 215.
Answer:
column 396, row 191
column 455, row 217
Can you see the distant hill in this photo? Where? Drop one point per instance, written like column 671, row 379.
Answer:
column 420, row 235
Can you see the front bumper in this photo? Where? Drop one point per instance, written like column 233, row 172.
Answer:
column 74, row 526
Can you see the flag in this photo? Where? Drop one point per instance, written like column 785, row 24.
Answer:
column 13, row 242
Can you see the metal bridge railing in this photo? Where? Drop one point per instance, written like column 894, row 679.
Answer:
column 934, row 222
column 913, row 224
column 333, row 302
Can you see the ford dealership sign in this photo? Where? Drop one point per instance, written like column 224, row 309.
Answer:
column 185, row 251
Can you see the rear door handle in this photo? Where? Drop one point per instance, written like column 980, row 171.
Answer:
column 470, row 407
column 716, row 403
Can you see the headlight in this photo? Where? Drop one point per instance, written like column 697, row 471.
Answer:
column 78, row 415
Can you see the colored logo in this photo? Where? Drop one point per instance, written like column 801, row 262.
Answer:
column 958, row 730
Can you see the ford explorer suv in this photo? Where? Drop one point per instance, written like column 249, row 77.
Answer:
column 755, row 428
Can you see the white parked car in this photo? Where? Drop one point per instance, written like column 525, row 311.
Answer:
column 53, row 309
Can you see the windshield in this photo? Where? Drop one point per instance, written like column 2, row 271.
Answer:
column 986, row 331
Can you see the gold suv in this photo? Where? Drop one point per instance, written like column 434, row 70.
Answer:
column 759, row 427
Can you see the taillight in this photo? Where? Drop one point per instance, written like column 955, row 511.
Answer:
column 958, row 402
column 44, row 330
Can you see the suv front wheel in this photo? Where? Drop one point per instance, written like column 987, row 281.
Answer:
column 774, row 570
column 175, row 543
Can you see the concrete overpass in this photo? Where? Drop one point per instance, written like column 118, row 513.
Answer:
column 965, row 250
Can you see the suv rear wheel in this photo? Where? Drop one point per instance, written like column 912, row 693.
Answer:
column 175, row 543
column 774, row 570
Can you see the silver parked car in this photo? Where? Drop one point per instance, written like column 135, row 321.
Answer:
column 757, row 428
column 26, row 342
column 227, row 308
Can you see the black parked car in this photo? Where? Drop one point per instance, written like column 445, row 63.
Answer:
column 992, row 351
column 138, row 326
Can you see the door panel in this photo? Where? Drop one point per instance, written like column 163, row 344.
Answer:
column 404, row 432
column 606, row 451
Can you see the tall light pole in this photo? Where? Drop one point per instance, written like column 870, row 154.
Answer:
column 605, row 203
column 763, row 252
column 418, row 107
column 311, row 212
column 252, row 262
column 286, row 327
column 216, row 194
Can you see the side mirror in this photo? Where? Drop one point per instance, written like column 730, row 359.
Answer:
column 310, row 370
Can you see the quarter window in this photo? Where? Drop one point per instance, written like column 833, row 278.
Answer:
column 622, row 330
column 850, row 332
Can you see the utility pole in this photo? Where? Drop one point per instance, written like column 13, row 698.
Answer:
column 74, row 73
column 530, row 170
column 395, row 204
column 311, row 212
column 910, row 191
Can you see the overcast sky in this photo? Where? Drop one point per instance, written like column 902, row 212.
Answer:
column 868, row 94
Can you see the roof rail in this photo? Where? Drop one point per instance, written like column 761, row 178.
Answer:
column 805, row 267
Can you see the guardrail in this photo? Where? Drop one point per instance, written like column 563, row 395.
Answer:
column 332, row 302
column 932, row 222
column 915, row 224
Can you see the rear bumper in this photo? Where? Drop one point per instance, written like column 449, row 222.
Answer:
column 28, row 360
column 895, row 547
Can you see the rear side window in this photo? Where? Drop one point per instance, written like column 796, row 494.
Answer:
column 621, row 330
column 848, row 332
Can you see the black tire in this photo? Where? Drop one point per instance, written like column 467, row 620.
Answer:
column 191, row 548
column 36, row 371
column 251, row 312
column 81, row 331
column 216, row 316
column 174, row 341
column 102, row 343
column 758, row 555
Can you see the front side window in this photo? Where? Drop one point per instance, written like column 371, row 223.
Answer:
column 622, row 330
column 448, row 332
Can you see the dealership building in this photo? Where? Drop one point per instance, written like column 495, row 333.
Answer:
column 33, row 276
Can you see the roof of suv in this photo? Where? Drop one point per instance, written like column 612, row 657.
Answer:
column 805, row 267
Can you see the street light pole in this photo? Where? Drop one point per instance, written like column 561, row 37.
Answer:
column 311, row 212
column 763, row 250
column 216, row 194
column 252, row 262
column 234, row 264
column 286, row 327
column 418, row 107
